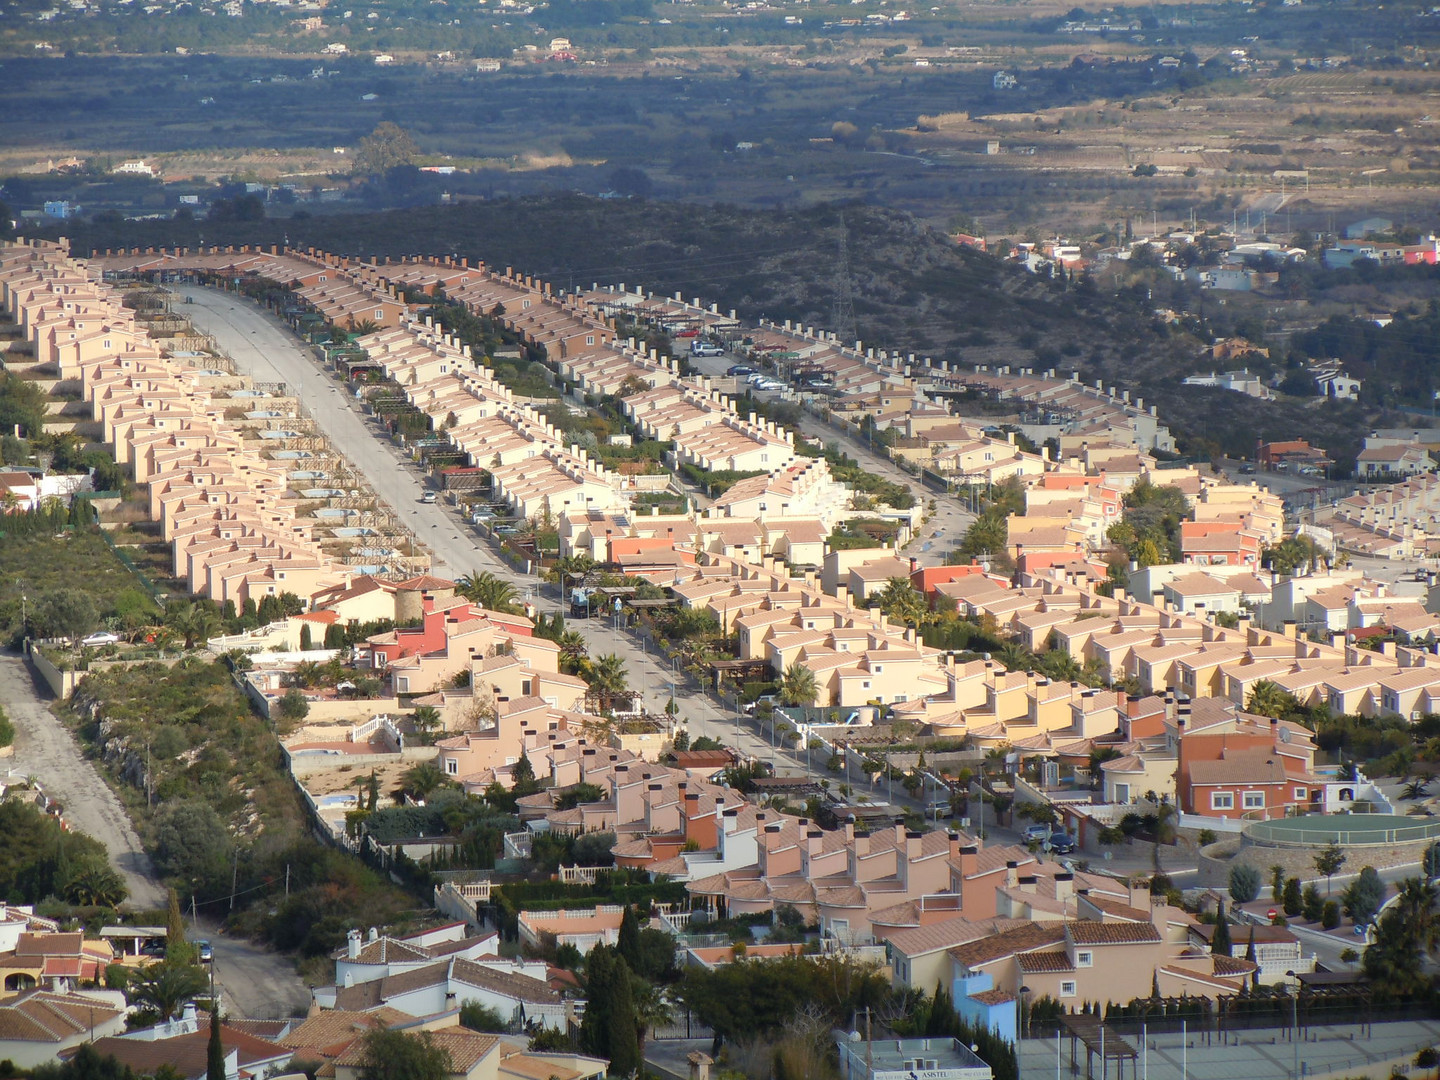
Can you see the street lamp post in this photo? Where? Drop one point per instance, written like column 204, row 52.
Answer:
column 1295, row 1027
column 1019, row 1021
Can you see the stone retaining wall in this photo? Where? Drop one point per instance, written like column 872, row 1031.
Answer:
column 1216, row 859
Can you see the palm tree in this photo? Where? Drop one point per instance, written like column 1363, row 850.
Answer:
column 1270, row 699
column 1418, row 788
column 423, row 779
column 193, row 622
column 306, row 673
column 485, row 590
column 798, row 686
column 95, row 885
column 1059, row 665
column 572, row 650
column 608, row 681
column 426, row 719
column 1016, row 657
column 652, row 1010
column 166, row 986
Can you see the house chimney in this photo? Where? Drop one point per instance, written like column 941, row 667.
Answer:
column 352, row 945
column 1064, row 886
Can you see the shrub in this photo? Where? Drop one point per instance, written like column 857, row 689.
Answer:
column 1292, row 900
column 293, row 706
column 1330, row 915
column 1207, row 837
column 1244, row 883
column 1312, row 903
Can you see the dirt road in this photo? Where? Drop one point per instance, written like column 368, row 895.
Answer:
column 253, row 981
column 45, row 749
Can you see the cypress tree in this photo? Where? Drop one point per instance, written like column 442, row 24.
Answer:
column 177, row 949
column 1220, row 943
column 1291, row 901
column 608, row 1029
column 214, row 1048
column 942, row 1019
column 628, row 941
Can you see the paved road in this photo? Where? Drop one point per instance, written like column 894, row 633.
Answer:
column 937, row 537
column 254, row 982
column 45, row 750
column 264, row 348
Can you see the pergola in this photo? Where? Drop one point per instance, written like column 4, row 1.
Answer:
column 1098, row 1039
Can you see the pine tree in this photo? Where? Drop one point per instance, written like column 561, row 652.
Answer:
column 1251, row 955
column 522, row 777
column 1220, row 943
column 214, row 1048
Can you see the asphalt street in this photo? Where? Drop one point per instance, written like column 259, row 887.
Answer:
column 265, row 349
column 939, row 535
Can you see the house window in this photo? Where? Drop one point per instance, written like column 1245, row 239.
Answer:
column 1121, row 793
column 452, row 767
column 1222, row 800
column 1302, row 794
column 379, row 314
column 403, row 684
column 1084, row 959
column 1067, row 988
column 864, row 686
column 589, row 339
column 1254, row 800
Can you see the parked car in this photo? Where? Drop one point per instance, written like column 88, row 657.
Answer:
column 100, row 637
column 705, row 348
column 739, row 369
column 1035, row 834
column 1061, row 843
column 768, row 384
column 204, row 952
column 429, row 497
column 688, row 333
